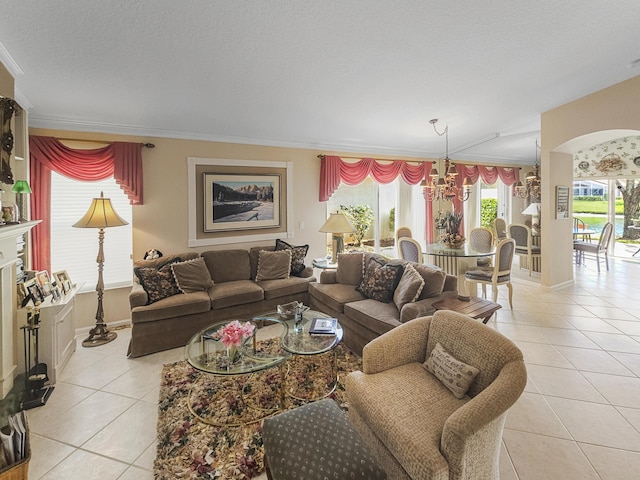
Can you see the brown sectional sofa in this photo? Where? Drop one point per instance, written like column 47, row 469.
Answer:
column 171, row 322
column 364, row 319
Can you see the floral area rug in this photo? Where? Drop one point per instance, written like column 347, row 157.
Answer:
column 189, row 448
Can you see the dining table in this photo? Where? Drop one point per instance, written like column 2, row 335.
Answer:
column 457, row 261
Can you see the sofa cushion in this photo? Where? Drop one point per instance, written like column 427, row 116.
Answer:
column 159, row 282
column 380, row 280
column 238, row 292
column 433, row 280
column 273, row 265
column 227, row 265
column 350, row 267
column 171, row 307
column 283, row 287
column 409, row 288
column 373, row 315
column 398, row 427
column 457, row 376
column 192, row 276
column 334, row 295
column 297, row 255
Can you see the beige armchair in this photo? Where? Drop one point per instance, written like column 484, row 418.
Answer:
column 415, row 424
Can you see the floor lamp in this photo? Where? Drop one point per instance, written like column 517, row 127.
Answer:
column 100, row 215
column 337, row 224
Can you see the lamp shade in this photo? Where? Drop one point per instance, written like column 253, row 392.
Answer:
column 532, row 209
column 21, row 186
column 337, row 223
column 100, row 215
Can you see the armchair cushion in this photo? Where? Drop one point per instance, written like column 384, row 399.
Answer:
column 379, row 280
column 457, row 376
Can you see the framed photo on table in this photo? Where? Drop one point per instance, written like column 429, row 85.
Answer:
column 63, row 281
column 42, row 277
column 34, row 291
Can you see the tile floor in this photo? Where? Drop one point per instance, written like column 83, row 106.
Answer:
column 579, row 417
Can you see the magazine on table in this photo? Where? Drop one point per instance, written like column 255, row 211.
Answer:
column 323, row 326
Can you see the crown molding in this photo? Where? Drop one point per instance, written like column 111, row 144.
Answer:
column 8, row 61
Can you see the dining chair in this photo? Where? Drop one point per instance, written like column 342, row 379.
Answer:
column 499, row 274
column 403, row 232
column 595, row 249
column 579, row 229
column 524, row 244
column 500, row 226
column 410, row 249
column 481, row 240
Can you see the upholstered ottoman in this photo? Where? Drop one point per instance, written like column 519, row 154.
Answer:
column 315, row 442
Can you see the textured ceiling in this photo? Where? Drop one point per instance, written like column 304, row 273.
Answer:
column 346, row 75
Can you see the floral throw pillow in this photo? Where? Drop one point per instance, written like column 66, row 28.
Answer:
column 297, row 255
column 380, row 280
column 158, row 282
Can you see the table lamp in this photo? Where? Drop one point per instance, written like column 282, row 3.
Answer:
column 534, row 210
column 100, row 215
column 337, row 224
column 21, row 188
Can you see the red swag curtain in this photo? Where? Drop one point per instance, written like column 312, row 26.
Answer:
column 334, row 170
column 121, row 160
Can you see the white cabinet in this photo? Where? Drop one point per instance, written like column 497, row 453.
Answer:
column 57, row 333
column 8, row 336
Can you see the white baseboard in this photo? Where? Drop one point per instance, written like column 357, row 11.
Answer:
column 84, row 331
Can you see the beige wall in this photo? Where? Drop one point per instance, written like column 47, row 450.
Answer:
column 565, row 130
column 162, row 221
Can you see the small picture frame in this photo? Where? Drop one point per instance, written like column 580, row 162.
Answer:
column 34, row 290
column 42, row 277
column 562, row 202
column 55, row 292
column 63, row 280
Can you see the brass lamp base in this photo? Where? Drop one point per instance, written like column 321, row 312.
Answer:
column 99, row 335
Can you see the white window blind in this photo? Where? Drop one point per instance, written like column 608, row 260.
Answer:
column 76, row 249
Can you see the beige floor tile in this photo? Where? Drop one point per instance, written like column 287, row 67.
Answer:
column 137, row 382
column 599, row 361
column 46, row 454
column 567, row 338
column 620, row 391
column 86, row 465
column 613, row 464
column 97, row 377
column 542, row 354
column 595, row 423
column 632, row 415
column 591, row 324
column 626, row 326
column 532, row 413
column 521, row 333
column 629, row 360
column 614, row 343
column 84, row 420
column 614, row 313
column 507, row 470
column 63, row 397
column 136, row 473
column 564, row 383
column 542, row 320
column 538, row 457
column 128, row 436
column 148, row 456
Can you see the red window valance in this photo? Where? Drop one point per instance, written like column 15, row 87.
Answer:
column 334, row 170
column 122, row 160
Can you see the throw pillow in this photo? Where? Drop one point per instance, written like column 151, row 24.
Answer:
column 158, row 282
column 192, row 276
column 380, row 280
column 434, row 279
column 297, row 255
column 454, row 374
column 409, row 288
column 273, row 265
column 350, row 267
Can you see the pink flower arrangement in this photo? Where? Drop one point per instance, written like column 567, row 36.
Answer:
column 234, row 333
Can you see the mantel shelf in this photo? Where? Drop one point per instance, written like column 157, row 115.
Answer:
column 17, row 229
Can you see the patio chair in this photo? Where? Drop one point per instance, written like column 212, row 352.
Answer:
column 595, row 249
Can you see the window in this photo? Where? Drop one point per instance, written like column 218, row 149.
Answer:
column 75, row 249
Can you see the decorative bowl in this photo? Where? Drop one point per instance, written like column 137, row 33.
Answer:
column 288, row 310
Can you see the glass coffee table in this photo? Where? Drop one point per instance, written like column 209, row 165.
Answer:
column 305, row 380
column 240, row 392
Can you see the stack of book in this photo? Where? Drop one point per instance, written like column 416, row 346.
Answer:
column 14, row 445
column 323, row 326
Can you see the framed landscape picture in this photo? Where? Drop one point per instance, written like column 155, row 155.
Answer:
column 241, row 202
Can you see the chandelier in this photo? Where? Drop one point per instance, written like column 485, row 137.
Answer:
column 445, row 188
column 531, row 187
